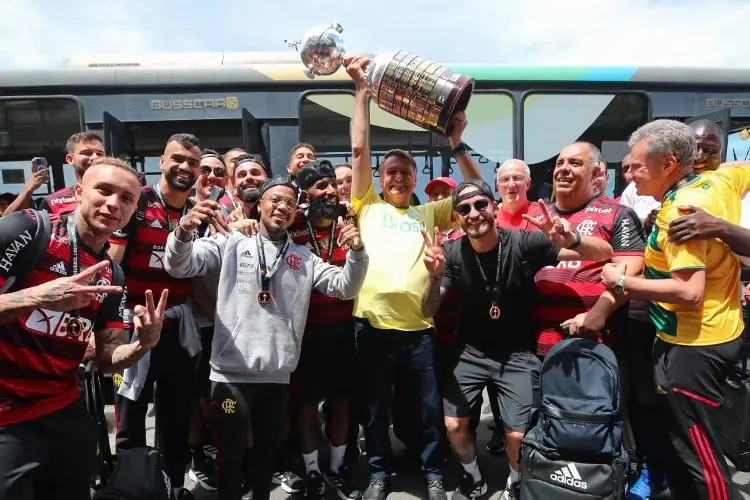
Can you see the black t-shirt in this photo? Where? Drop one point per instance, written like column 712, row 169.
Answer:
column 523, row 253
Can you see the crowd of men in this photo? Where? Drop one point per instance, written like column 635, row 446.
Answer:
column 282, row 291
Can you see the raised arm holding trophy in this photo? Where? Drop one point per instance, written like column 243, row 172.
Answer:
column 405, row 85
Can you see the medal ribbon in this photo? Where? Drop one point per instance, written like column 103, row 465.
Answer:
column 494, row 289
column 265, row 273
column 316, row 244
column 159, row 197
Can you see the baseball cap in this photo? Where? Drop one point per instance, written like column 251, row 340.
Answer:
column 439, row 180
column 280, row 180
column 482, row 189
column 313, row 172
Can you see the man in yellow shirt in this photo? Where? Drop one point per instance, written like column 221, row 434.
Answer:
column 391, row 333
column 693, row 288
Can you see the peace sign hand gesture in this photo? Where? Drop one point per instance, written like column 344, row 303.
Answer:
column 73, row 292
column 558, row 230
column 434, row 259
column 148, row 319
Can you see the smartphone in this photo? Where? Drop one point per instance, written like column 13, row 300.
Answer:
column 39, row 163
column 216, row 193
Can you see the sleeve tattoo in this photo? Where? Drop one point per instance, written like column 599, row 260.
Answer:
column 112, row 353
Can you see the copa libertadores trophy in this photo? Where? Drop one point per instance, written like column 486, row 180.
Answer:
column 401, row 83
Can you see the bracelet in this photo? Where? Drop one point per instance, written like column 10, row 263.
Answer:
column 577, row 242
column 178, row 231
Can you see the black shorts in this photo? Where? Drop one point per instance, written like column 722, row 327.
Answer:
column 326, row 364
column 49, row 457
column 515, row 379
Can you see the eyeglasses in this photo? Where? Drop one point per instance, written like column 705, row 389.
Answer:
column 218, row 171
column 464, row 209
column 289, row 202
column 515, row 178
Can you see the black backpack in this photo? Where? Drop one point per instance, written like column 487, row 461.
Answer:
column 138, row 475
column 574, row 447
column 31, row 254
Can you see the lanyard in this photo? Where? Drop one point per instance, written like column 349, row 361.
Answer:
column 677, row 185
column 316, row 244
column 494, row 289
column 159, row 197
column 74, row 326
column 264, row 296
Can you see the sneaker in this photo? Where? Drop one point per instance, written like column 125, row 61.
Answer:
column 436, row 490
column 649, row 486
column 343, row 484
column 204, row 475
column 376, row 490
column 315, row 487
column 183, row 494
column 496, row 445
column 469, row 488
column 289, row 481
column 512, row 492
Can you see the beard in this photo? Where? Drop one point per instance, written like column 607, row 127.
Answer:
column 478, row 229
column 323, row 208
column 248, row 195
column 179, row 185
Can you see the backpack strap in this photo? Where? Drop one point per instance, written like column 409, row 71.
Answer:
column 32, row 254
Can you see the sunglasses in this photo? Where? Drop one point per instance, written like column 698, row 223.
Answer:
column 464, row 209
column 218, row 171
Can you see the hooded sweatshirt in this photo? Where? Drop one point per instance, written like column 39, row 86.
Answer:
column 256, row 343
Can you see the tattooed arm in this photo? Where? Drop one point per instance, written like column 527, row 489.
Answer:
column 113, row 354
column 17, row 303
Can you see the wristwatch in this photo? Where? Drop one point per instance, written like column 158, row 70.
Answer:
column 577, row 242
column 619, row 286
column 461, row 149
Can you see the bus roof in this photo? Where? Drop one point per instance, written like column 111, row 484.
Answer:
column 231, row 68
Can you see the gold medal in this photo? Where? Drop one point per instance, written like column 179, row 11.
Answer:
column 74, row 327
column 494, row 312
column 264, row 298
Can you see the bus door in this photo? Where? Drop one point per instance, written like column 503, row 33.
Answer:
column 37, row 126
column 721, row 118
column 117, row 138
column 256, row 137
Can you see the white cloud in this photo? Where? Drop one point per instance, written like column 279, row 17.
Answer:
column 43, row 33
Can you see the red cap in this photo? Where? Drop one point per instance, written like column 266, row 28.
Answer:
column 439, row 180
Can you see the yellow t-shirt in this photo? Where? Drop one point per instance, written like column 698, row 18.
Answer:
column 396, row 276
column 719, row 320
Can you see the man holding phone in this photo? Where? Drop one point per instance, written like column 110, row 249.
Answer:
column 212, row 181
column 83, row 148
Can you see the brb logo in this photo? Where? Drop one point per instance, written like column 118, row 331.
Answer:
column 570, row 476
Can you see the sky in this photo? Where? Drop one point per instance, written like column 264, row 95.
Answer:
column 43, row 33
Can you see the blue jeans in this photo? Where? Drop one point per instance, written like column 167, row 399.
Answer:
column 385, row 356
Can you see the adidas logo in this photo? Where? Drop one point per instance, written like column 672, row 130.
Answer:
column 570, row 476
column 247, row 253
column 156, row 224
column 58, row 268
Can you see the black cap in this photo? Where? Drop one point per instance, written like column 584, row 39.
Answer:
column 313, row 172
column 251, row 158
column 483, row 189
column 280, row 180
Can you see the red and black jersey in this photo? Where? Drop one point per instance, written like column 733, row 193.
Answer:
column 146, row 239
column 60, row 202
column 573, row 287
column 229, row 202
column 39, row 358
column 516, row 220
column 446, row 317
column 323, row 309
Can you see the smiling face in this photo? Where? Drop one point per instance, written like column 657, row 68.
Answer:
column 476, row 214
column 277, row 208
column 324, row 198
column 180, row 165
column 398, row 178
column 513, row 183
column 574, row 171
column 249, row 176
column 107, row 197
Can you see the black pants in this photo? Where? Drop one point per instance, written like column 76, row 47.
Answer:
column 233, row 406
column 174, row 373
column 636, row 367
column 690, row 383
column 49, row 457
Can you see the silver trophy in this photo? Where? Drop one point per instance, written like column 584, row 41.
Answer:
column 403, row 84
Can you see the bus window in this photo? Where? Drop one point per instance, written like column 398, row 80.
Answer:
column 35, row 126
column 324, row 122
column 552, row 121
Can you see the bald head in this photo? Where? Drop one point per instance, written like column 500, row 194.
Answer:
column 510, row 164
column 513, row 181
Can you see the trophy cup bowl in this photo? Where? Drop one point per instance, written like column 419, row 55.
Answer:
column 322, row 50
column 403, row 84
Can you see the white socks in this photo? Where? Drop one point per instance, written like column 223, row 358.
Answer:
column 514, row 476
column 337, row 457
column 311, row 462
column 472, row 468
